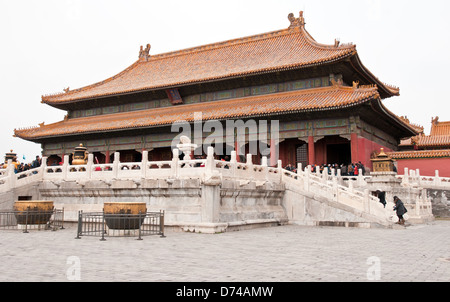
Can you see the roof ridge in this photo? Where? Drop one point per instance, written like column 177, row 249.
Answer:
column 297, row 23
column 337, row 44
column 221, row 44
column 253, row 38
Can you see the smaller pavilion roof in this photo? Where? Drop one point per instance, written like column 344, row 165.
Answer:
column 439, row 136
column 413, row 154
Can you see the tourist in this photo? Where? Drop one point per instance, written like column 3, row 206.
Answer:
column 400, row 209
column 350, row 170
column 289, row 167
column 37, row 162
column 344, row 170
column 382, row 197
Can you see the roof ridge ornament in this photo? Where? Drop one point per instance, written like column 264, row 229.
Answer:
column 144, row 54
column 296, row 22
column 435, row 120
column 336, row 80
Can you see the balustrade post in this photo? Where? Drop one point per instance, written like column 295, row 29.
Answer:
column 249, row 164
column 233, row 163
column 299, row 168
column 89, row 164
column 11, row 174
column 412, row 177
column 210, row 161
column 338, row 175
column 366, row 201
column 233, row 157
column 264, row 167
column 65, row 167
column 360, row 178
column 405, row 179
column 306, row 179
column 324, row 175
column 437, row 179
column 116, row 164
column 144, row 164
column 280, row 169
column 174, row 166
column 43, row 166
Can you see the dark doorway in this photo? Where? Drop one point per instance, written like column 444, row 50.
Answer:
column 99, row 158
column 302, row 155
column 339, row 154
column 128, row 156
column 54, row 160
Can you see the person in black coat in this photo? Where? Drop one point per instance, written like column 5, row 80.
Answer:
column 401, row 210
column 382, row 197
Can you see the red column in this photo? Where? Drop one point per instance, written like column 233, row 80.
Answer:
column 236, row 148
column 311, row 151
column 273, row 153
column 107, row 157
column 354, row 147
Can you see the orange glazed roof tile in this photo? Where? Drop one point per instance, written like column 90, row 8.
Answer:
column 325, row 98
column 439, row 128
column 434, row 141
column 419, row 154
column 439, row 136
column 274, row 51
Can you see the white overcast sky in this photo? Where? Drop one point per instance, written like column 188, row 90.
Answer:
column 48, row 45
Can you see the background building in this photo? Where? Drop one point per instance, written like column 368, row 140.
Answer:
column 427, row 153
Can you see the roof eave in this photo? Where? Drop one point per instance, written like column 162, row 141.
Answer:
column 359, row 102
column 386, row 90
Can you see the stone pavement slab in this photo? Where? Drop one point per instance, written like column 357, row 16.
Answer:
column 276, row 254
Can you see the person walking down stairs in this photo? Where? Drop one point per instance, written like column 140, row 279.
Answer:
column 400, row 209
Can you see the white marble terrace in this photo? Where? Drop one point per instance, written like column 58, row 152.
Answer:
column 332, row 187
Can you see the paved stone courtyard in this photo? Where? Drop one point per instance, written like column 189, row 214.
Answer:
column 284, row 253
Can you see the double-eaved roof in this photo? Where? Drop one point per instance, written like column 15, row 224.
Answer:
column 287, row 49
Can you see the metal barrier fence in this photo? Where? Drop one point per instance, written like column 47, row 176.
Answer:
column 31, row 220
column 120, row 225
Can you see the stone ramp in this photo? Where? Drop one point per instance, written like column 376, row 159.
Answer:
column 316, row 202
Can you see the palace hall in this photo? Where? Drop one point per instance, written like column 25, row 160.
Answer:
column 328, row 105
